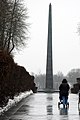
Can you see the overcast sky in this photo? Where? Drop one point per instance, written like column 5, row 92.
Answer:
column 66, row 40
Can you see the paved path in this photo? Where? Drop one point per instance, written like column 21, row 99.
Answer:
column 43, row 106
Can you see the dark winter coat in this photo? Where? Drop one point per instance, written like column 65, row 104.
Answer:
column 64, row 89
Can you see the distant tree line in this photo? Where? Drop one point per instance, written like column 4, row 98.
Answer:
column 57, row 78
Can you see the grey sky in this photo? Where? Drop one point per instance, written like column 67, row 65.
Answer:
column 66, row 41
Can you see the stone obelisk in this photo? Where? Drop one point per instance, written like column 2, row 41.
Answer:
column 49, row 64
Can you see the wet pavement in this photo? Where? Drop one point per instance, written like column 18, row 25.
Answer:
column 43, row 106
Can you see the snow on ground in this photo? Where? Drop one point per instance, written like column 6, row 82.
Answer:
column 15, row 100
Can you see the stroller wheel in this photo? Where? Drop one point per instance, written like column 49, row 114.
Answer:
column 58, row 104
column 67, row 105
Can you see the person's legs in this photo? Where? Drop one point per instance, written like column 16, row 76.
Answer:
column 65, row 101
column 66, row 98
column 63, row 97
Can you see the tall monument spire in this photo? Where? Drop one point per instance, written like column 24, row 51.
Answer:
column 49, row 64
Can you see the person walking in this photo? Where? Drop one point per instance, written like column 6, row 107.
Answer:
column 64, row 92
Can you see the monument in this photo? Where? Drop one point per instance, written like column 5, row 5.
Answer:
column 49, row 64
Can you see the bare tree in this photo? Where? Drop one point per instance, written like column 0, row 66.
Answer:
column 72, row 75
column 13, row 25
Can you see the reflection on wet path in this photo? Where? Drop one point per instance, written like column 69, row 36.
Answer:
column 44, row 106
column 63, row 111
column 49, row 107
column 49, row 110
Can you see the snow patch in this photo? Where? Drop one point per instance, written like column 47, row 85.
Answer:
column 15, row 100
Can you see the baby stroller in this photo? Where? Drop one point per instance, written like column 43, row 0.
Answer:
column 64, row 101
